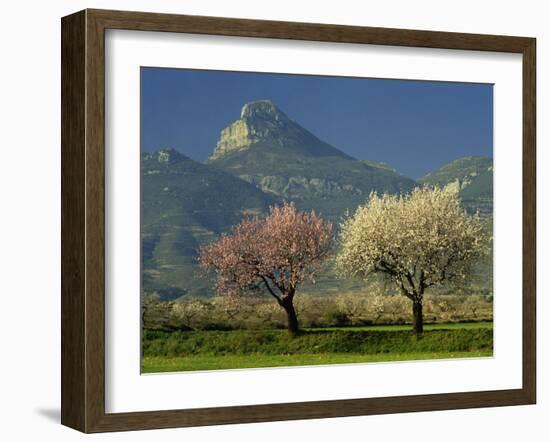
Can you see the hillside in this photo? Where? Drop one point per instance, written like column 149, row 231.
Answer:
column 184, row 204
column 472, row 177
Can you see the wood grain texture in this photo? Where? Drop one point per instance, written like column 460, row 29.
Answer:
column 529, row 221
column 95, row 222
column 83, row 220
column 73, row 256
column 145, row 21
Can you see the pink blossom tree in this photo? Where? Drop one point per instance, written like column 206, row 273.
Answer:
column 277, row 253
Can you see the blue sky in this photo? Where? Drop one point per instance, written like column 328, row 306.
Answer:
column 415, row 126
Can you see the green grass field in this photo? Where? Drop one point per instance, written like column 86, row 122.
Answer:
column 209, row 362
column 215, row 350
column 406, row 327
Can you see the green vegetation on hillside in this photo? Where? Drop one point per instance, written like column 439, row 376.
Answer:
column 330, row 185
column 457, row 169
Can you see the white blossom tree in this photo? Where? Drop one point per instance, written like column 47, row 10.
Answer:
column 418, row 241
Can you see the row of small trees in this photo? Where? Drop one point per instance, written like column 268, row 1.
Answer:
column 417, row 241
column 342, row 310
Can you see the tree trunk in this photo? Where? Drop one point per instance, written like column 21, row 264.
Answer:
column 418, row 320
column 292, row 319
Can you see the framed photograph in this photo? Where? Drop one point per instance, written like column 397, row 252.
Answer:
column 266, row 221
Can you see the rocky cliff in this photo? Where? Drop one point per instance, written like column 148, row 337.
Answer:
column 263, row 123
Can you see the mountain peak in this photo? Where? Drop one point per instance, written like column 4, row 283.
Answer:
column 263, row 125
column 261, row 108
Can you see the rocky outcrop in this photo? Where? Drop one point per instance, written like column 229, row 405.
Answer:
column 167, row 156
column 261, row 122
column 301, row 187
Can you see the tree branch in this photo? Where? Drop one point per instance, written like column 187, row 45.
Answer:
column 411, row 282
column 270, row 290
column 405, row 291
column 387, row 268
column 422, row 284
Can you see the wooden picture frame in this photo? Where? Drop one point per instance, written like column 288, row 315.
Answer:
column 83, row 220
